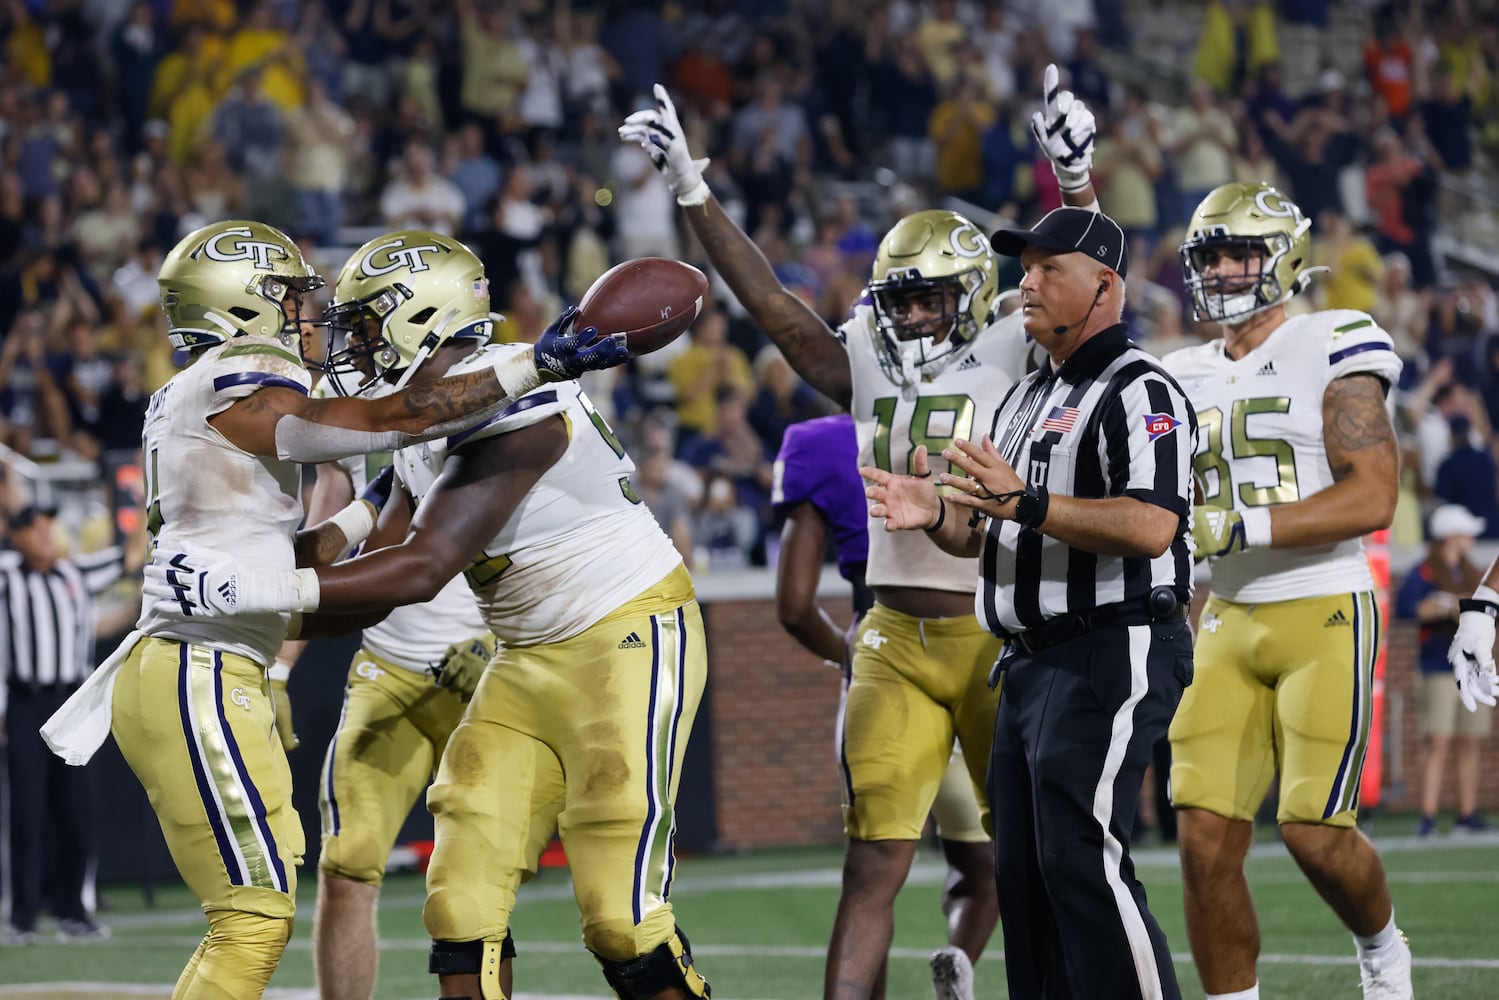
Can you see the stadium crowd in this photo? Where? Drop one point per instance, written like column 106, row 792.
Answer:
column 125, row 125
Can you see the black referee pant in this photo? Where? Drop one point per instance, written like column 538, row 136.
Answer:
column 1076, row 725
column 51, row 815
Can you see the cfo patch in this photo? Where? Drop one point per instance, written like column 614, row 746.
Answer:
column 1158, row 425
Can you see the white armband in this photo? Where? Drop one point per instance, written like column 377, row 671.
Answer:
column 356, row 521
column 1256, row 522
column 278, row 671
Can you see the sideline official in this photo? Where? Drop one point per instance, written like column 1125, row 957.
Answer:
column 1086, row 571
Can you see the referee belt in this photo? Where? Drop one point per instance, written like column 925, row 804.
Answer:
column 1160, row 605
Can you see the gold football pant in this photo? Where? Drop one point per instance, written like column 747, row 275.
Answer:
column 585, row 735
column 197, row 727
column 917, row 683
column 1283, row 685
column 391, row 733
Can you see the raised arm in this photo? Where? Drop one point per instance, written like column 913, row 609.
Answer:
column 809, row 345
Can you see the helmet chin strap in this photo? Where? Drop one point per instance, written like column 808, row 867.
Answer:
column 428, row 345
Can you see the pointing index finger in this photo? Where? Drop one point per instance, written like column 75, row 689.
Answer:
column 1051, row 83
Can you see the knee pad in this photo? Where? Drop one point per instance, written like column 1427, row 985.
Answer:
column 473, row 958
column 240, row 952
column 668, row 966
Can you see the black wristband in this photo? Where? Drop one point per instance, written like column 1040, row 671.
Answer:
column 1474, row 604
column 941, row 516
column 1031, row 507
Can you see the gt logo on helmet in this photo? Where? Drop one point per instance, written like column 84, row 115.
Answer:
column 399, row 255
column 1275, row 205
column 967, row 241
column 259, row 252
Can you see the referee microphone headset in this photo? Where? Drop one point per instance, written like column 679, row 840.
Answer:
column 1103, row 286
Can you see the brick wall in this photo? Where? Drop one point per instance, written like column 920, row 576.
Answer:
column 773, row 708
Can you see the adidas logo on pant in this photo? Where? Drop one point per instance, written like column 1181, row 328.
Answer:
column 632, row 641
column 1335, row 619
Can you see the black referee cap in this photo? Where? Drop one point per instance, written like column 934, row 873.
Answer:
column 1070, row 230
column 26, row 516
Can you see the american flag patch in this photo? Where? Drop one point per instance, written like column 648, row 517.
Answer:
column 1160, row 424
column 1060, row 419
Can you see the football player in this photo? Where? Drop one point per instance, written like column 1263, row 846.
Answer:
column 921, row 358
column 189, row 697
column 581, row 722
column 817, row 486
column 1296, row 461
column 396, row 716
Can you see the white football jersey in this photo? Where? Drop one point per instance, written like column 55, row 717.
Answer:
column 579, row 545
column 959, row 401
column 1260, row 443
column 415, row 636
column 204, row 494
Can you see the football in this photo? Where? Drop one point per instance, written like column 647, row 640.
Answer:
column 651, row 300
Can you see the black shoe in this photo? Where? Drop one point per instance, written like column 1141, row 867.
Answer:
column 71, row 929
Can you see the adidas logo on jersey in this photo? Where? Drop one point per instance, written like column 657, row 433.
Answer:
column 968, row 364
column 1268, row 368
column 1335, row 619
column 632, row 641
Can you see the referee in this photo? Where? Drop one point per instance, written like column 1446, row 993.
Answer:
column 47, row 623
column 1086, row 571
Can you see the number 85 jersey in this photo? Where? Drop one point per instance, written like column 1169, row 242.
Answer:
column 1260, row 442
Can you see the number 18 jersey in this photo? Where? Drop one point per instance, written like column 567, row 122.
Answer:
column 959, row 401
column 1260, row 442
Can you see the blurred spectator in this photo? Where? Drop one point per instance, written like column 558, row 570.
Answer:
column 709, row 365
column 1399, row 185
column 641, row 44
column 938, row 37
column 421, row 198
column 83, row 374
column 1402, row 311
column 1312, row 149
column 590, row 70
column 494, row 65
column 670, row 506
column 645, row 208
column 1469, row 476
column 214, row 190
column 122, row 405
column 137, row 46
column 770, row 151
column 902, row 91
column 1090, row 81
column 725, row 534
column 1446, row 115
column 783, row 398
column 1203, row 142
column 1252, row 161
column 733, row 449
column 1430, row 594
column 997, row 40
column 1126, row 166
column 1238, row 41
column 1355, row 268
column 1388, row 59
column 322, row 133
column 106, row 233
column 31, row 402
column 475, row 173
column 263, row 44
column 250, row 128
column 184, row 90
column 957, row 127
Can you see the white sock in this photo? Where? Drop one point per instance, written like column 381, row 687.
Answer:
column 1383, row 939
column 1253, row 993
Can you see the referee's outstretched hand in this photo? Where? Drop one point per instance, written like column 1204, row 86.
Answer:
column 989, row 477
column 903, row 502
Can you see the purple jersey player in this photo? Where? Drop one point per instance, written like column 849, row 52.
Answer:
column 818, row 466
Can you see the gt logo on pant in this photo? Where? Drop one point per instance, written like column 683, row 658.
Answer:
column 368, row 671
column 241, row 699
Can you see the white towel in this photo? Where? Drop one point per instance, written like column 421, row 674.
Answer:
column 77, row 730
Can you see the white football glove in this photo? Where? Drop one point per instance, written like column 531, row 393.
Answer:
column 1065, row 129
column 1472, row 651
column 185, row 585
column 659, row 133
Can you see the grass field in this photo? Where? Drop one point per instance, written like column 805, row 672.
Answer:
column 759, row 925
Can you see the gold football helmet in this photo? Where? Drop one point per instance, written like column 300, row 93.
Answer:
column 397, row 299
column 232, row 279
column 1260, row 244
column 934, row 286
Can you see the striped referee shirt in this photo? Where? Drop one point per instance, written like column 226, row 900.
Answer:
column 47, row 619
column 1109, row 423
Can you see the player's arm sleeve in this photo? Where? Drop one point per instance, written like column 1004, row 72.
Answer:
column 1145, row 441
column 1356, row 345
column 242, row 369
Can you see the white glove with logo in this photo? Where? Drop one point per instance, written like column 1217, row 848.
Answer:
column 1472, row 651
column 1065, row 129
column 185, row 585
column 659, row 133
